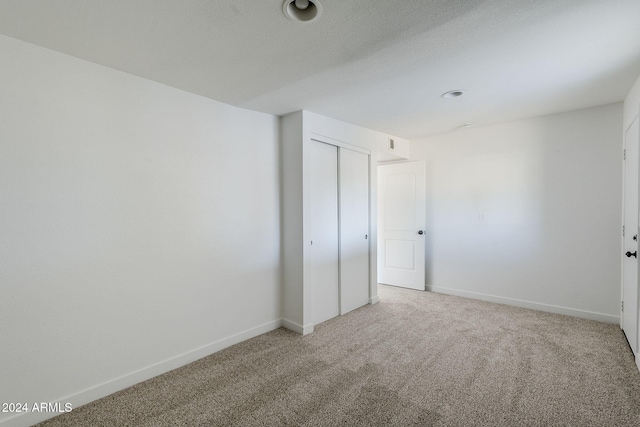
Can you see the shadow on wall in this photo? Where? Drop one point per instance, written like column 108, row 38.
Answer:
column 528, row 210
column 483, row 208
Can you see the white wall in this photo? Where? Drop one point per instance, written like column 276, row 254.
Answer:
column 632, row 104
column 375, row 141
column 139, row 228
column 529, row 212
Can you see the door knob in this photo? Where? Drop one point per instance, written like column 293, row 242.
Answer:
column 420, row 232
column 632, row 254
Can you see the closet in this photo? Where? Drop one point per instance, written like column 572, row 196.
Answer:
column 326, row 211
column 338, row 222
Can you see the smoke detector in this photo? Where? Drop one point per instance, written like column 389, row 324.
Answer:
column 302, row 10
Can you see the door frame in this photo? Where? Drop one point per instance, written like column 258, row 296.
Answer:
column 422, row 286
column 634, row 230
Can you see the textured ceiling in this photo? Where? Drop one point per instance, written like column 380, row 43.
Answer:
column 381, row 64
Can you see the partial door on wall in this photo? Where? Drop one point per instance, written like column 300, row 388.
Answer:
column 401, row 219
column 323, row 219
column 354, row 230
column 337, row 207
column 630, row 238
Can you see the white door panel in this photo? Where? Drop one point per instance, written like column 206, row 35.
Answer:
column 354, row 229
column 400, row 254
column 400, row 202
column 323, row 223
column 630, row 246
column 401, row 219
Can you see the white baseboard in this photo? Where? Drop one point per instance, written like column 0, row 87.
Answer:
column 101, row 390
column 638, row 362
column 374, row 300
column 296, row 327
column 608, row 318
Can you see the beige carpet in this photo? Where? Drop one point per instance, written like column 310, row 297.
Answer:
column 414, row 359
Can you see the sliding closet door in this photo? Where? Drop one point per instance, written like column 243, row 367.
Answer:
column 322, row 217
column 354, row 230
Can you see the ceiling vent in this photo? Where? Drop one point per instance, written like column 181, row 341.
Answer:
column 302, row 10
column 452, row 94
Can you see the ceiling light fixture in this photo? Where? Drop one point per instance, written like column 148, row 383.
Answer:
column 452, row 94
column 302, row 10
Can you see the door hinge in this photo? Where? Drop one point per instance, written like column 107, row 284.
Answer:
column 622, row 306
column 623, row 231
column 624, row 154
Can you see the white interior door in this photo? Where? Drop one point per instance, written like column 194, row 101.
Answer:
column 401, row 219
column 322, row 215
column 354, row 229
column 630, row 245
